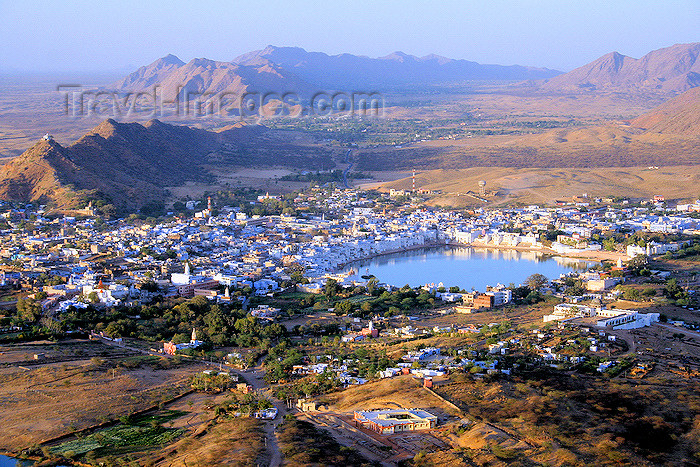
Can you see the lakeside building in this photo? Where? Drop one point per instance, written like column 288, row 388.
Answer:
column 392, row 421
column 651, row 248
column 501, row 295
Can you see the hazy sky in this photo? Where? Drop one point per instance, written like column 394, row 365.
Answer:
column 122, row 35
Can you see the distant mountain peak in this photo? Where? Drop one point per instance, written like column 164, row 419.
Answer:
column 399, row 56
column 438, row 58
column 171, row 59
column 667, row 70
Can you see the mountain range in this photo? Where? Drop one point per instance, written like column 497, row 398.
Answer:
column 672, row 69
column 282, row 69
column 347, row 72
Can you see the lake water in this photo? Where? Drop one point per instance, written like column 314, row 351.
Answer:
column 10, row 462
column 464, row 267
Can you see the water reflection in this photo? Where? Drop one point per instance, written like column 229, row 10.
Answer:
column 465, row 267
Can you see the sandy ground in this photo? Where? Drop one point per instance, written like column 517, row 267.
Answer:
column 547, row 185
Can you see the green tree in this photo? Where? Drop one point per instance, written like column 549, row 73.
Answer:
column 93, row 297
column 536, row 281
column 331, row 288
column 632, row 294
column 372, row 285
column 28, row 310
column 344, row 307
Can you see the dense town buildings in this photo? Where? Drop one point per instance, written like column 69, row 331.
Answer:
column 110, row 263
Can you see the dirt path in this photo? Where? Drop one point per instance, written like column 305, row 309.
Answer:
column 678, row 329
column 629, row 338
column 254, row 376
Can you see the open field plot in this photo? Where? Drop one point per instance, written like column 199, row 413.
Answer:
column 52, row 352
column 139, row 432
column 320, row 318
column 54, row 399
column 416, row 442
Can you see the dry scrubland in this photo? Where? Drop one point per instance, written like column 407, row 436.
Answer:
column 232, row 442
column 576, row 420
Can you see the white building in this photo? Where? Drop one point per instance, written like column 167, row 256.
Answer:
column 651, row 248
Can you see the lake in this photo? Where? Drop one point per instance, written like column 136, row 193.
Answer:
column 10, row 462
column 466, row 267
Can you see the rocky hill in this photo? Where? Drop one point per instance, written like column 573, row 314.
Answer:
column 40, row 174
column 669, row 70
column 129, row 165
column 679, row 116
column 125, row 164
